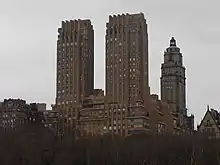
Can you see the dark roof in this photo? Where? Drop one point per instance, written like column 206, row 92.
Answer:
column 215, row 116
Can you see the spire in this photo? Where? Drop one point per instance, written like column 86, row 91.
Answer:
column 208, row 107
column 172, row 42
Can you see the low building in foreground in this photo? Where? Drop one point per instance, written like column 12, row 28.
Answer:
column 98, row 117
column 92, row 116
column 160, row 116
column 14, row 113
column 210, row 124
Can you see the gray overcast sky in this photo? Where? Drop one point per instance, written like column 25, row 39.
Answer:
column 28, row 31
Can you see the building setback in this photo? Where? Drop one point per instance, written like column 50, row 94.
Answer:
column 93, row 116
column 75, row 67
column 127, row 87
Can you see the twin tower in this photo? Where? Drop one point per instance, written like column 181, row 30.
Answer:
column 126, row 66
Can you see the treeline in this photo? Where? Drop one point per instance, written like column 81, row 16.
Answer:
column 37, row 145
column 24, row 145
column 147, row 150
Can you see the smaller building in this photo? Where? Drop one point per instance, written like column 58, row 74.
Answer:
column 51, row 118
column 10, row 105
column 136, row 119
column 160, row 116
column 92, row 116
column 210, row 124
column 40, row 107
column 14, row 113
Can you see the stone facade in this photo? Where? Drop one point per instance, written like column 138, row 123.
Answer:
column 75, row 67
column 14, row 113
column 92, row 117
column 160, row 116
column 173, row 87
column 127, row 86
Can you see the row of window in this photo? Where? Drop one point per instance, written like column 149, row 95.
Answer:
column 115, row 128
column 122, row 28
column 131, row 77
column 67, row 37
column 120, row 67
column 67, row 102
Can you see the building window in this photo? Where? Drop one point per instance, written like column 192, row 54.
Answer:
column 174, row 122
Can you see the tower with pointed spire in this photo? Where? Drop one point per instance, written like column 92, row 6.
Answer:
column 173, row 80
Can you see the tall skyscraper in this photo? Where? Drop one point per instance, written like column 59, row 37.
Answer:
column 127, row 85
column 75, row 66
column 173, row 80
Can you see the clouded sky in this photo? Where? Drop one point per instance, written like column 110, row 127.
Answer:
column 28, row 33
